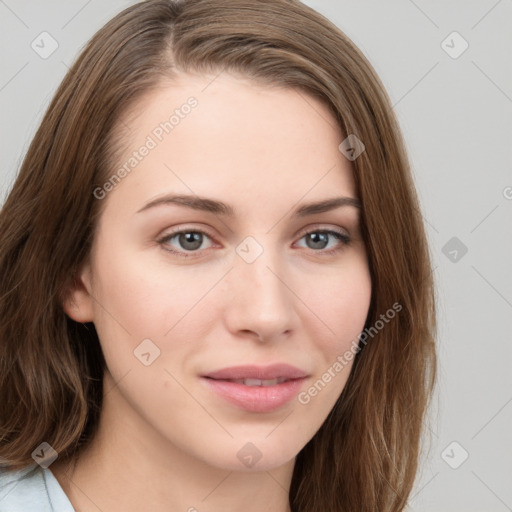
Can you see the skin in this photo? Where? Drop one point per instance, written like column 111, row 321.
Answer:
column 165, row 441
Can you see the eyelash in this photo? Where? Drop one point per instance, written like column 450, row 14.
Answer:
column 342, row 237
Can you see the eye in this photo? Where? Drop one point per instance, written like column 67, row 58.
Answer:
column 319, row 238
column 188, row 239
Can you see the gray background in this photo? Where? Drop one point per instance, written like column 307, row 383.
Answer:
column 455, row 114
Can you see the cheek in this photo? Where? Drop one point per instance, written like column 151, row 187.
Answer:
column 342, row 307
column 341, row 301
column 140, row 300
column 145, row 298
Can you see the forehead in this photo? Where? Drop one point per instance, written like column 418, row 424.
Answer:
column 231, row 138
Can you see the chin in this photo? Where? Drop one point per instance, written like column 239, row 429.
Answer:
column 253, row 456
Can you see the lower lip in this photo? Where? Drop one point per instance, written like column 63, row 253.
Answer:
column 256, row 398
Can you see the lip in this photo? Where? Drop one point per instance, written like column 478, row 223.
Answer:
column 256, row 398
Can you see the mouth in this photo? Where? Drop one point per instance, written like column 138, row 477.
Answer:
column 256, row 389
column 257, row 382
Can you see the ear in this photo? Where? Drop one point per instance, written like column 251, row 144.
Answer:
column 77, row 299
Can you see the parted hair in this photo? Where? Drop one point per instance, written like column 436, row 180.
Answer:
column 365, row 455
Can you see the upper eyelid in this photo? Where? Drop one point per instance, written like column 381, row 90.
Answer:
column 303, row 231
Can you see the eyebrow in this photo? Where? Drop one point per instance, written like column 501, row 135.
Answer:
column 218, row 207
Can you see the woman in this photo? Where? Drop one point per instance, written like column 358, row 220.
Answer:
column 216, row 289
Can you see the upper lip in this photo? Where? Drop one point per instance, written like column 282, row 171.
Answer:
column 273, row 371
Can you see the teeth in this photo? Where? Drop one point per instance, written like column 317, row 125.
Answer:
column 259, row 382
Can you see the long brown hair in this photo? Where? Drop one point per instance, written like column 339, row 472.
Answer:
column 365, row 455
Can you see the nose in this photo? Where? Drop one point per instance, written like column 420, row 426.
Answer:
column 260, row 301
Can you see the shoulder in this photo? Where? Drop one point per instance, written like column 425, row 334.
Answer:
column 31, row 489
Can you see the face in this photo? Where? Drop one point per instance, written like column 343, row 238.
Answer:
column 223, row 325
